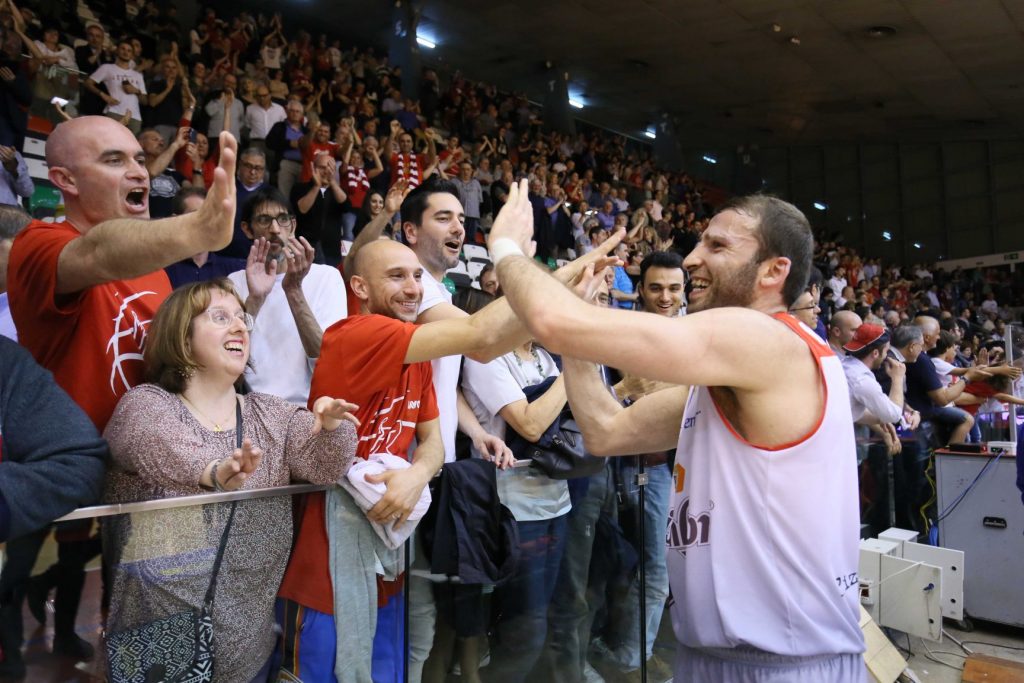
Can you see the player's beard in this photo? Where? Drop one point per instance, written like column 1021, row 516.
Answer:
column 734, row 289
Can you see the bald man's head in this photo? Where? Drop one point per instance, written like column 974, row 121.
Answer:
column 842, row 328
column 930, row 328
column 387, row 280
column 69, row 136
column 99, row 166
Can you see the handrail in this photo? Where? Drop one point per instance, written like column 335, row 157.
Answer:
column 187, row 501
column 201, row 499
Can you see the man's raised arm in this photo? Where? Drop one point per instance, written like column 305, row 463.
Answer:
column 125, row 248
column 651, row 424
column 711, row 348
column 495, row 329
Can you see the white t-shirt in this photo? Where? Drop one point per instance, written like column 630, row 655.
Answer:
column 280, row 364
column 945, row 372
column 66, row 54
column 446, row 370
column 259, row 121
column 527, row 492
column 271, row 57
column 113, row 76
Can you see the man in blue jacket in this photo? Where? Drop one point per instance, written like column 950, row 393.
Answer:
column 51, row 462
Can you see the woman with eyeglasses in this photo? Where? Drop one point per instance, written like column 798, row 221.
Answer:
column 176, row 436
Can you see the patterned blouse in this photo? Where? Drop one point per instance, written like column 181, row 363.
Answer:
column 162, row 560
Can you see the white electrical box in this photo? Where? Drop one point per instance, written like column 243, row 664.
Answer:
column 900, row 536
column 869, row 571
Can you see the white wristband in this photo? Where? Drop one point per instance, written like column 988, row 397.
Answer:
column 503, row 247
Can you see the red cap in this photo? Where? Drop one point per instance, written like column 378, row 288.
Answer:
column 866, row 335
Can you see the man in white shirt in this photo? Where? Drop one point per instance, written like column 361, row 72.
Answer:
column 124, row 85
column 260, row 117
column 227, row 111
column 837, row 283
column 867, row 351
column 989, row 305
column 292, row 299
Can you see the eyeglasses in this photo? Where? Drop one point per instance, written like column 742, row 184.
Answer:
column 221, row 317
column 264, row 220
column 804, row 308
column 253, row 167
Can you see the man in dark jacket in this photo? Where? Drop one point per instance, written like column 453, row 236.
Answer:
column 51, row 462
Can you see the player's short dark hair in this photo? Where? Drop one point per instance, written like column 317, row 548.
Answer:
column 784, row 231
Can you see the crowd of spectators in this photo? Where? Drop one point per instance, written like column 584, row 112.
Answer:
column 328, row 151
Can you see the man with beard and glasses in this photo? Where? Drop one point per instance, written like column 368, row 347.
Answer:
column 292, row 299
column 763, row 527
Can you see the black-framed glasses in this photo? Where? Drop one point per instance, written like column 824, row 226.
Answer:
column 222, row 317
column 253, row 167
column 804, row 308
column 283, row 219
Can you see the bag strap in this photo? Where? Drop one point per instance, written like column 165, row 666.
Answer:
column 212, row 589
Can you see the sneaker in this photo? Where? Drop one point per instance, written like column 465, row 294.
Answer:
column 70, row 645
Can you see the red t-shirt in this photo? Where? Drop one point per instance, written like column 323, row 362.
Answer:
column 982, row 390
column 92, row 341
column 361, row 361
column 310, row 152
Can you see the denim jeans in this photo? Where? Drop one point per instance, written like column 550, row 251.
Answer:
column 573, row 604
column 471, row 225
column 655, row 512
column 348, row 224
column 523, row 601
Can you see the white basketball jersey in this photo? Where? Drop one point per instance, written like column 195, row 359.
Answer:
column 763, row 542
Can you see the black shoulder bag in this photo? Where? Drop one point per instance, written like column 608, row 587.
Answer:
column 178, row 648
column 559, row 452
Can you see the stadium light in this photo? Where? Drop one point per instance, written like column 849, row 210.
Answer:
column 710, row 159
column 820, row 206
column 575, row 103
column 426, row 42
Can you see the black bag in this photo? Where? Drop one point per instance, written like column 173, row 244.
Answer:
column 178, row 648
column 559, row 452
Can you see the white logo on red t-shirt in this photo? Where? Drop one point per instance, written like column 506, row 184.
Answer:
column 127, row 325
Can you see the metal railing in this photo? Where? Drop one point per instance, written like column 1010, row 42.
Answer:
column 187, row 501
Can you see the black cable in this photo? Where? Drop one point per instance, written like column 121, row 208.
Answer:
column 982, row 642
column 963, row 494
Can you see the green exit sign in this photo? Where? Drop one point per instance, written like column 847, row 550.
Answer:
column 1013, row 256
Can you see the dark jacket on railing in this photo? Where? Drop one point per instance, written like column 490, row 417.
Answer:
column 52, row 460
